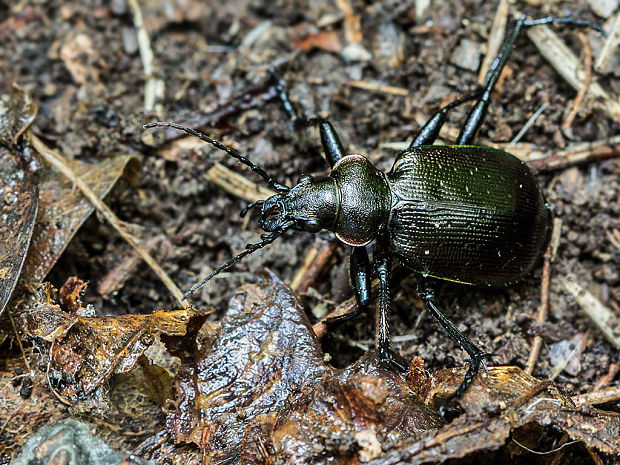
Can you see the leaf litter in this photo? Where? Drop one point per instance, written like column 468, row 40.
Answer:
column 292, row 409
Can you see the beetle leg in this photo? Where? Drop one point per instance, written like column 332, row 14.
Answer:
column 283, row 96
column 383, row 262
column 431, row 128
column 332, row 147
column 479, row 111
column 477, row 356
column 360, row 280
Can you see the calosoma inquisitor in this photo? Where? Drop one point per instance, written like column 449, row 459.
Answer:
column 462, row 213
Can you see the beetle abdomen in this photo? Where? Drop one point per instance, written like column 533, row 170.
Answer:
column 470, row 214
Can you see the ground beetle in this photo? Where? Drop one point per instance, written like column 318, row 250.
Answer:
column 462, row 213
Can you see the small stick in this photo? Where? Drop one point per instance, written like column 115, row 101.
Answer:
column 313, row 267
column 153, row 87
column 611, row 45
column 346, row 307
column 586, row 82
column 57, row 161
column 372, row 87
column 544, row 296
column 606, row 320
column 496, row 37
column 352, row 25
column 115, row 278
column 237, row 184
column 613, row 370
column 528, row 124
column 578, row 155
column 567, row 65
column 603, row 396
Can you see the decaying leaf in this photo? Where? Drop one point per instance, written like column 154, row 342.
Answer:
column 258, row 392
column 63, row 209
column 71, row 294
column 18, row 210
column 262, row 377
column 86, row 350
column 262, row 359
column 18, row 191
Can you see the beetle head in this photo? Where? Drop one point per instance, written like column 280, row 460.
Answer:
column 311, row 205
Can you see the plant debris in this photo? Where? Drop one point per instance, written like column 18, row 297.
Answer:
column 18, row 191
column 85, row 350
column 258, row 392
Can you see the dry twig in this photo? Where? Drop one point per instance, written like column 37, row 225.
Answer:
column 314, row 266
column 57, row 161
column 586, row 82
column 603, row 396
column 379, row 88
column 153, row 87
column 566, row 63
column 544, row 295
column 577, row 154
column 602, row 316
column 611, row 45
column 237, row 184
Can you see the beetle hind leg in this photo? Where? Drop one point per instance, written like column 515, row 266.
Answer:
column 476, row 355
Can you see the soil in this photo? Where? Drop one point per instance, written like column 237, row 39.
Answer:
column 81, row 63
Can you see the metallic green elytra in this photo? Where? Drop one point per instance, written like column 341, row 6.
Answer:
column 470, row 214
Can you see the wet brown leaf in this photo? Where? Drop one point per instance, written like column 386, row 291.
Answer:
column 261, row 379
column 70, row 294
column 18, row 210
column 87, row 351
column 258, row 392
column 504, row 402
column 18, row 191
column 63, row 209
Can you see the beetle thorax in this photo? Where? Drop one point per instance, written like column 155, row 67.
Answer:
column 364, row 200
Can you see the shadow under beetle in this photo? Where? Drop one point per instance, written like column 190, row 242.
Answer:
column 462, row 213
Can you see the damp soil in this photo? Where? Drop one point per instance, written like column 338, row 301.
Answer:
column 81, row 63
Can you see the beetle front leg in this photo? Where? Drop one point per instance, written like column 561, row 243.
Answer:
column 477, row 356
column 360, row 280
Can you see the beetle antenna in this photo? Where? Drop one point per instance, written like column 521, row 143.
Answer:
column 249, row 249
column 230, row 151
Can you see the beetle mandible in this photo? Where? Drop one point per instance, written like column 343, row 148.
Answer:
column 463, row 213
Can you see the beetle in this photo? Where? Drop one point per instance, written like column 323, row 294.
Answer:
column 463, row 213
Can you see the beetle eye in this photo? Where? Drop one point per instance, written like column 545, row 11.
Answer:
column 312, row 226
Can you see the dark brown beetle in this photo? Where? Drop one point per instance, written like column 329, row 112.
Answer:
column 462, row 213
